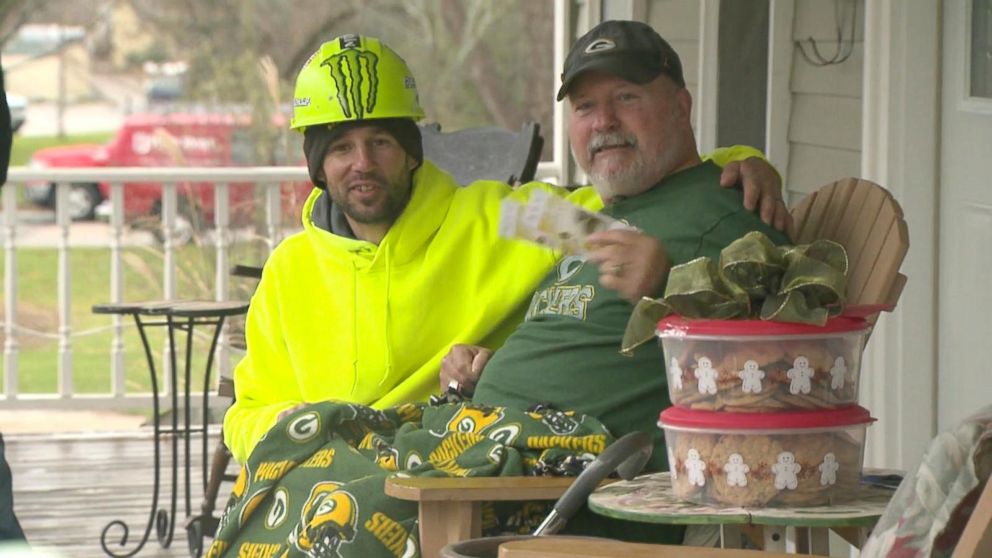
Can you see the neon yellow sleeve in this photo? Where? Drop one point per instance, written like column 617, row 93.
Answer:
column 723, row 155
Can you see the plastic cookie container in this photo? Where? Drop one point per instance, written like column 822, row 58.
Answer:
column 807, row 458
column 761, row 366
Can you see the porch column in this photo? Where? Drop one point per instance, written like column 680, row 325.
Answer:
column 900, row 133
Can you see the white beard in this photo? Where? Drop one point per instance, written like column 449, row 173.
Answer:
column 622, row 182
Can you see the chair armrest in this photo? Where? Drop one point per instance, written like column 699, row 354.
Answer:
column 451, row 508
column 477, row 489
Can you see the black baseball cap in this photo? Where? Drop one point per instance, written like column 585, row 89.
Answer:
column 628, row 49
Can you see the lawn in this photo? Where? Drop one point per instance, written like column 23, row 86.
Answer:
column 24, row 146
column 92, row 337
column 91, row 340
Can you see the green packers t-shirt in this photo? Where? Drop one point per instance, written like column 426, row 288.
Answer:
column 566, row 352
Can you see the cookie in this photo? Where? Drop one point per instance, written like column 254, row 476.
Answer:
column 741, row 470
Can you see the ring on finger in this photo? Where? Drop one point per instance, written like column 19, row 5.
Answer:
column 454, row 386
column 616, row 269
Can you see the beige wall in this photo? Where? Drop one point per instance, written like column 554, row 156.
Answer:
column 678, row 22
column 38, row 78
column 825, row 122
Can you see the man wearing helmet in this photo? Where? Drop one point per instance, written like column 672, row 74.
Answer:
column 396, row 262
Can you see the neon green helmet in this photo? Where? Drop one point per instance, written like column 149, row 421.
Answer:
column 353, row 78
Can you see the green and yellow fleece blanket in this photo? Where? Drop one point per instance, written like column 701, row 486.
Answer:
column 314, row 484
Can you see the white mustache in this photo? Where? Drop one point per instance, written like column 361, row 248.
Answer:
column 602, row 141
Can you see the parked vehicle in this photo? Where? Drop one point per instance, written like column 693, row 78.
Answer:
column 161, row 140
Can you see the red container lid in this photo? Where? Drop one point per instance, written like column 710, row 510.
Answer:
column 677, row 326
column 681, row 417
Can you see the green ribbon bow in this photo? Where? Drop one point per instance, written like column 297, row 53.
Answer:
column 754, row 279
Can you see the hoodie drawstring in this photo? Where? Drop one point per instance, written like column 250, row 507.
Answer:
column 387, row 369
column 354, row 328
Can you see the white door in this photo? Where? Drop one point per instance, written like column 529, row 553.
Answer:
column 964, row 353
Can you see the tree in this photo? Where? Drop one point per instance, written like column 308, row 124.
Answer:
column 478, row 62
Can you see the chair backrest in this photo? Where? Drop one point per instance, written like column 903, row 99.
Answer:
column 976, row 539
column 485, row 153
column 864, row 218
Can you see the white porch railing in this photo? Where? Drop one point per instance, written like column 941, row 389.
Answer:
column 119, row 396
column 66, row 396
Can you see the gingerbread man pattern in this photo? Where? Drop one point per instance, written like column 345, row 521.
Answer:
column 751, row 377
column 736, row 470
column 694, row 468
column 828, row 469
column 706, row 376
column 676, row 374
column 786, row 471
column 801, row 375
column 837, row 374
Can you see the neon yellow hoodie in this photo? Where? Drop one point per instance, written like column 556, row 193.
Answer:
column 339, row 318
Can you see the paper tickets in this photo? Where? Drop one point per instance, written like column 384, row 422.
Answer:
column 553, row 222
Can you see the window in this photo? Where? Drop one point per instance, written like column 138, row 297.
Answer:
column 981, row 49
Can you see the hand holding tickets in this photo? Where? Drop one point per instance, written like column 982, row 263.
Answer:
column 553, row 222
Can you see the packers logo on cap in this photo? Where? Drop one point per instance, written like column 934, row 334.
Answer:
column 600, row 45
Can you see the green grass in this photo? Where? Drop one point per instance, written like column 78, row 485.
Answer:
column 90, row 284
column 92, row 340
column 25, row 146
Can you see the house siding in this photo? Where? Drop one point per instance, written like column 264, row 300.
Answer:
column 825, row 113
column 678, row 22
column 824, row 132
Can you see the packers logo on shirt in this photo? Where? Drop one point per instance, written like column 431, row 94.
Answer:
column 333, row 524
column 304, row 427
column 506, row 434
column 569, row 266
column 474, row 419
column 250, row 505
column 317, row 493
column 278, row 509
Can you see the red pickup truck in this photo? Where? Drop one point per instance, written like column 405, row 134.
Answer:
column 164, row 140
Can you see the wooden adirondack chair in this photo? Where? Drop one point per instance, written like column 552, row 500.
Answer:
column 860, row 215
column 864, row 218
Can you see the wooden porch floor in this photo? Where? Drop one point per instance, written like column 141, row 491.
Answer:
column 68, row 487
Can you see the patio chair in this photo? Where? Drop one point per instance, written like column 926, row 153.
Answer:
column 859, row 214
column 471, row 154
column 864, row 218
column 485, row 153
column 976, row 539
column 945, row 505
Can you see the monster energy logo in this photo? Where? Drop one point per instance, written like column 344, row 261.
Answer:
column 353, row 72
